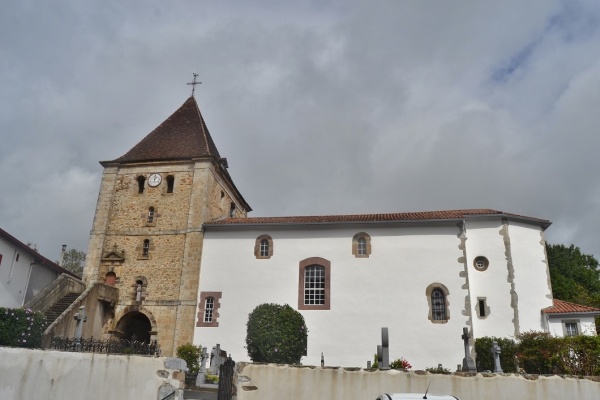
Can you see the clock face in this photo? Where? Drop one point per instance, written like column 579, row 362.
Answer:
column 154, row 180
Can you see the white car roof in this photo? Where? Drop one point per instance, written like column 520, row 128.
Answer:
column 415, row 396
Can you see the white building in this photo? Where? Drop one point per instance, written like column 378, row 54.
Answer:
column 569, row 319
column 423, row 275
column 23, row 271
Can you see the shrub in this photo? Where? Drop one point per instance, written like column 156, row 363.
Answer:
column 485, row 358
column 438, row 370
column 276, row 334
column 21, row 328
column 538, row 352
column 190, row 354
column 400, row 363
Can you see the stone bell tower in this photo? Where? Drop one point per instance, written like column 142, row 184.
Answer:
column 146, row 238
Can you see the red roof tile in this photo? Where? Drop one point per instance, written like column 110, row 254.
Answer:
column 392, row 217
column 564, row 307
column 183, row 135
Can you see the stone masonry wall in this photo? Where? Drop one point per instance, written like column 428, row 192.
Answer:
column 171, row 269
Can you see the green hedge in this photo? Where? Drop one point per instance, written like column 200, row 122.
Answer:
column 21, row 328
column 541, row 353
column 190, row 354
column 485, row 358
column 276, row 334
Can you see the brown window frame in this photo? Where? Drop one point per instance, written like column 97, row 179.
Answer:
column 216, row 296
column 301, row 276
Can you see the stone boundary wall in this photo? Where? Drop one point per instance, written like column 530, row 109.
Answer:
column 270, row 381
column 54, row 375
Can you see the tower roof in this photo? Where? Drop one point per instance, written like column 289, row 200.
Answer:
column 182, row 136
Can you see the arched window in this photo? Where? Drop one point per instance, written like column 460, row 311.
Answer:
column 263, row 247
column 437, row 298
column 170, row 183
column 438, row 305
column 110, row 278
column 146, row 248
column 314, row 284
column 232, row 210
column 151, row 215
column 141, row 183
column 361, row 245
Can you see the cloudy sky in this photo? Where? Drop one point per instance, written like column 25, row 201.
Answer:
column 321, row 107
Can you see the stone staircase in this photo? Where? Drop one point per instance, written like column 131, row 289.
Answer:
column 59, row 307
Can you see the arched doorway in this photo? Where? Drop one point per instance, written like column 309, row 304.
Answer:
column 135, row 323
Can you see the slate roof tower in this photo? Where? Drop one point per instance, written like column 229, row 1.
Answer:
column 146, row 238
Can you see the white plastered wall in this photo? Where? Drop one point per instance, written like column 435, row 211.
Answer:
column 386, row 289
column 14, row 275
column 585, row 324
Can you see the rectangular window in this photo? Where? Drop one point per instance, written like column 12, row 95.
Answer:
column 146, row 248
column 208, row 310
column 0, row 258
column 571, row 329
column 314, row 285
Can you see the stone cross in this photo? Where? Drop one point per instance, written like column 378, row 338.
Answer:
column 201, row 377
column 496, row 350
column 216, row 359
column 468, row 362
column 194, row 83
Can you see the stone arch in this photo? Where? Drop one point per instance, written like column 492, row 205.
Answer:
column 135, row 313
column 135, row 325
column 110, row 278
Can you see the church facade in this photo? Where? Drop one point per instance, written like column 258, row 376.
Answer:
column 422, row 275
column 171, row 231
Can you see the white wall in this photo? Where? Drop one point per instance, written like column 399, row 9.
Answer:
column 13, row 275
column 269, row 382
column 586, row 324
column 387, row 289
column 54, row 375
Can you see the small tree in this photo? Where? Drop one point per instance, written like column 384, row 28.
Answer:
column 190, row 354
column 74, row 261
column 276, row 334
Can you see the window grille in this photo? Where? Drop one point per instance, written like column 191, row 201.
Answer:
column 571, row 329
column 314, row 285
column 146, row 248
column 264, row 248
column 438, row 305
column 362, row 246
column 151, row 215
column 208, row 309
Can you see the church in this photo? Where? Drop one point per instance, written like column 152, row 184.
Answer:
column 172, row 233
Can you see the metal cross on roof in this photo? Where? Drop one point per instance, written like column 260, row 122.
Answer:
column 194, row 83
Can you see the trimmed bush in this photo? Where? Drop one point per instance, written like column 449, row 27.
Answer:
column 21, row 328
column 276, row 334
column 538, row 352
column 485, row 358
column 190, row 354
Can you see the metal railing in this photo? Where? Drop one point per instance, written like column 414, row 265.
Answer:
column 119, row 346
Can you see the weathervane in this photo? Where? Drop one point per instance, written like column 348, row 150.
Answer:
column 194, row 83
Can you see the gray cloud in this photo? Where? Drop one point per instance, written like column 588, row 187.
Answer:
column 320, row 108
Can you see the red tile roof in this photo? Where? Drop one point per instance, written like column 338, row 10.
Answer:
column 564, row 307
column 392, row 217
column 183, row 135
